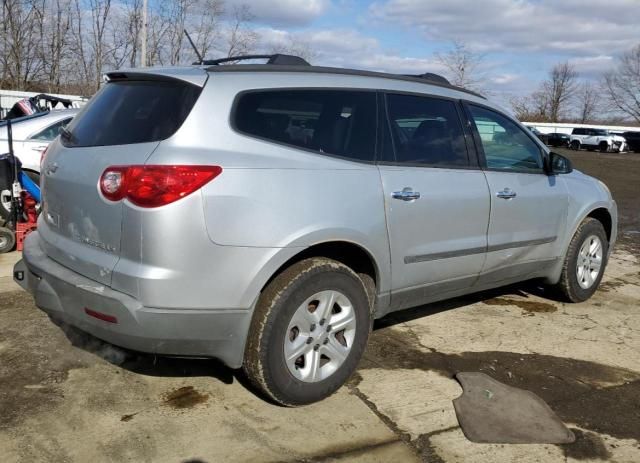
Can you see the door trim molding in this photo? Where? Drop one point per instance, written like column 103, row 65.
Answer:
column 478, row 250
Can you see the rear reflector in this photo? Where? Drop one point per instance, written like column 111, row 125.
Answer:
column 154, row 185
column 101, row 316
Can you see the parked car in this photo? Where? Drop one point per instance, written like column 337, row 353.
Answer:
column 32, row 134
column 632, row 141
column 222, row 234
column 596, row 139
column 543, row 137
column 558, row 139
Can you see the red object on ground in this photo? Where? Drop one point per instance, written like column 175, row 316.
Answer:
column 24, row 228
column 29, row 205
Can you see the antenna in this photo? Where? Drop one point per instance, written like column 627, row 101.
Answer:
column 194, row 48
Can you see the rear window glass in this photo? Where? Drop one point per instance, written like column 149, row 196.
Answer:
column 341, row 123
column 128, row 112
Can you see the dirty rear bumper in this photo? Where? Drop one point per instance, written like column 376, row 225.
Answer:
column 67, row 295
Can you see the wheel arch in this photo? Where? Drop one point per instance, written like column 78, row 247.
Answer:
column 354, row 256
column 602, row 215
column 605, row 214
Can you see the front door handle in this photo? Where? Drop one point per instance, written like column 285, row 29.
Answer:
column 507, row 193
column 407, row 194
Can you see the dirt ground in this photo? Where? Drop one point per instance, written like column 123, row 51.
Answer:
column 65, row 397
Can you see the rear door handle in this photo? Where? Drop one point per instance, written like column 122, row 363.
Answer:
column 407, row 194
column 506, row 193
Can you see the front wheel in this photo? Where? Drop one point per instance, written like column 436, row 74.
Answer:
column 574, row 145
column 308, row 332
column 585, row 261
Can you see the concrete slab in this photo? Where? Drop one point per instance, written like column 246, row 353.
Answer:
column 63, row 403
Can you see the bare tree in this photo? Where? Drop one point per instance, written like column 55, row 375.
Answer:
column 99, row 17
column 67, row 44
column 531, row 108
column 622, row 85
column 22, row 26
column 587, row 101
column 55, row 42
column 559, row 89
column 464, row 66
column 206, row 28
column 240, row 38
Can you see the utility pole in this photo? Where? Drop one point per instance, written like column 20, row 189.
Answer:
column 143, row 47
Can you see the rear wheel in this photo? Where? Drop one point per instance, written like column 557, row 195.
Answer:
column 604, row 147
column 585, row 261
column 575, row 145
column 7, row 240
column 308, row 332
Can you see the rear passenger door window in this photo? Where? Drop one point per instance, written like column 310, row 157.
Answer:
column 426, row 131
column 334, row 122
column 506, row 146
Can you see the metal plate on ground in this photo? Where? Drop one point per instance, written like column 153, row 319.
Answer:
column 492, row 412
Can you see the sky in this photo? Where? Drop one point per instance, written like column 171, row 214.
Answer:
column 520, row 40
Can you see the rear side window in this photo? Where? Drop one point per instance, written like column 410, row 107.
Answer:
column 340, row 123
column 426, row 131
column 128, row 112
column 52, row 131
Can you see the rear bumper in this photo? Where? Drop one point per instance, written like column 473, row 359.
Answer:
column 66, row 295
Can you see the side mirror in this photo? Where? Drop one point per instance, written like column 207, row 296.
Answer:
column 558, row 164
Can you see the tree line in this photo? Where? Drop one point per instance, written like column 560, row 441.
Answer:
column 65, row 46
column 563, row 96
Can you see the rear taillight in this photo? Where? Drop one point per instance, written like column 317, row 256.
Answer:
column 153, row 186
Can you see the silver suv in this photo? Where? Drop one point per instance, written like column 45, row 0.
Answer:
column 266, row 214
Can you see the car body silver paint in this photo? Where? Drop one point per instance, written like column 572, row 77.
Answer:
column 202, row 261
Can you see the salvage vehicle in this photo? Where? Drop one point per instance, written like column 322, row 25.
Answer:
column 633, row 140
column 558, row 139
column 32, row 134
column 279, row 208
column 596, row 139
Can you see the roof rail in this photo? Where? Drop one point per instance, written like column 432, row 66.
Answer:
column 278, row 58
column 437, row 78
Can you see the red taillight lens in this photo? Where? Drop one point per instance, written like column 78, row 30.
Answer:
column 153, row 186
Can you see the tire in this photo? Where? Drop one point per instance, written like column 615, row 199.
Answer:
column 287, row 311
column 7, row 240
column 575, row 145
column 574, row 285
column 604, row 147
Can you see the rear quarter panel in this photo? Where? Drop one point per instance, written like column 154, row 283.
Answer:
column 274, row 196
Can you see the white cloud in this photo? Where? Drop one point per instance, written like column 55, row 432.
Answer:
column 283, row 12
column 586, row 27
column 593, row 65
column 348, row 48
